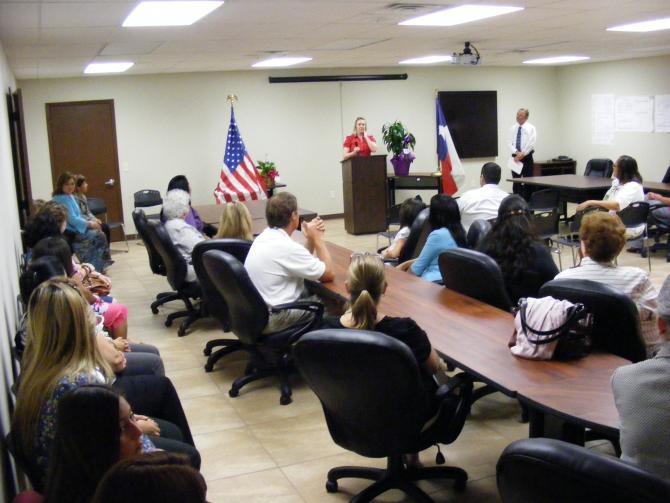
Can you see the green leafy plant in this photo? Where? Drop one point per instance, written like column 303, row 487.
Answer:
column 397, row 138
column 267, row 170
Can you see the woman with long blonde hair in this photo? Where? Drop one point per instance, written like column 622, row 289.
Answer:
column 235, row 222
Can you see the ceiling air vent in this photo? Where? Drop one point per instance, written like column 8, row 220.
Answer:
column 411, row 7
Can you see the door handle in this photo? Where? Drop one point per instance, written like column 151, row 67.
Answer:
column 110, row 182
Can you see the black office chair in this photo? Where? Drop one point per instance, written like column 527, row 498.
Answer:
column 545, row 225
column 544, row 200
column 636, row 215
column 478, row 229
column 392, row 218
column 602, row 168
column 417, row 237
column 571, row 239
column 146, row 199
column 476, row 275
column 99, row 207
column 155, row 260
column 616, row 321
column 542, row 470
column 375, row 405
column 248, row 314
column 176, row 270
column 213, row 302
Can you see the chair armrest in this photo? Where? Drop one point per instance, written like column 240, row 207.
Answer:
column 302, row 305
column 454, row 383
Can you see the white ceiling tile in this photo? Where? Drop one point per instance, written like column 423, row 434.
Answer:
column 18, row 16
column 129, row 48
column 91, row 14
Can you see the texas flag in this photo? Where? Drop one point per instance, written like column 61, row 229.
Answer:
column 450, row 164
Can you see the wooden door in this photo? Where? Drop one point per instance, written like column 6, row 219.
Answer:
column 82, row 140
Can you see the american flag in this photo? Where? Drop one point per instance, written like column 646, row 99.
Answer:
column 239, row 179
column 450, row 164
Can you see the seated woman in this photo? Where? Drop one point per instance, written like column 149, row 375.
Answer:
column 61, row 354
column 115, row 315
column 446, row 233
column 158, row 477
column 89, row 243
column 366, row 283
column 176, row 207
column 81, row 189
column 409, row 209
column 180, row 182
column 626, row 189
column 235, row 222
column 602, row 237
column 91, row 411
column 526, row 264
column 137, row 359
column 50, row 220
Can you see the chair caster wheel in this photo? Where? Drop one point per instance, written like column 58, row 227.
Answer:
column 233, row 392
column 285, row 399
column 459, row 485
column 168, row 323
column 209, row 368
column 331, row 486
column 154, row 310
column 207, row 351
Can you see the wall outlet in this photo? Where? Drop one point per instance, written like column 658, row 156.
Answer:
column 331, row 194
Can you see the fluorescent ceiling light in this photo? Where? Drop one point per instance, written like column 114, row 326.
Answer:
column 116, row 67
column 653, row 25
column 425, row 60
column 282, row 61
column 554, row 60
column 460, row 15
column 169, row 13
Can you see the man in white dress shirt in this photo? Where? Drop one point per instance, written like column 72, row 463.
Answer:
column 642, row 397
column 482, row 203
column 521, row 142
column 278, row 266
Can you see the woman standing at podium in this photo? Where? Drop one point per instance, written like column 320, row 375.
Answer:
column 359, row 142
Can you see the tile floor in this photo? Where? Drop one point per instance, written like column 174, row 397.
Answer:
column 255, row 450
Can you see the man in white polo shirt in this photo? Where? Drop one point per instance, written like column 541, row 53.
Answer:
column 482, row 203
column 278, row 266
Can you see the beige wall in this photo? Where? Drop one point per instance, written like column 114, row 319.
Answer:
column 170, row 124
column 10, row 249
column 576, row 84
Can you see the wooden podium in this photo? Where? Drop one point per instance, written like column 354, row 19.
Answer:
column 364, row 190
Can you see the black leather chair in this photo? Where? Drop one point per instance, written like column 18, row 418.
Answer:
column 542, row 470
column 155, row 260
column 148, row 198
column 478, row 229
column 544, row 200
column 545, row 225
column 476, row 275
column 176, row 270
column 213, row 302
column 99, row 207
column 602, row 168
column 417, row 237
column 27, row 465
column 248, row 314
column 616, row 322
column 636, row 215
column 370, row 389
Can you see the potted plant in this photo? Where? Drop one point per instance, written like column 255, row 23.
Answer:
column 399, row 141
column 268, row 171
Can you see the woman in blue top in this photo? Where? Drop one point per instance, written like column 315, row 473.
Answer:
column 90, row 243
column 446, row 233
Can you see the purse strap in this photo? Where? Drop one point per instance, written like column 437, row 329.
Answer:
column 552, row 335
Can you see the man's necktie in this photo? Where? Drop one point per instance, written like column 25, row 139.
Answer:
column 518, row 140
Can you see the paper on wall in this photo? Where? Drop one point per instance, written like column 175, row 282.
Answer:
column 602, row 119
column 662, row 113
column 634, row 114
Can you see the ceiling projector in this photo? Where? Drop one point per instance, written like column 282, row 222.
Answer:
column 466, row 57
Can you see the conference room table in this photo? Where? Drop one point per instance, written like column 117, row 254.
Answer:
column 474, row 336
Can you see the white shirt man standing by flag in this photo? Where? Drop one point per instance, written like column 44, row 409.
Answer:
column 450, row 164
column 239, row 180
column 521, row 142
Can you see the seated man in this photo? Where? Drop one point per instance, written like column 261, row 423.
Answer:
column 482, row 203
column 642, row 397
column 176, row 207
column 278, row 266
